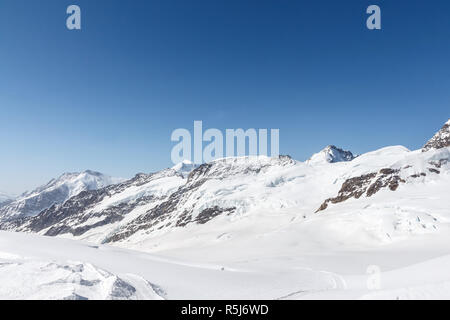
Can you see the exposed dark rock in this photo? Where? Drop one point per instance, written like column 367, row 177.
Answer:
column 174, row 213
column 368, row 184
column 332, row 154
column 354, row 187
column 183, row 219
column 440, row 140
column 67, row 217
column 438, row 164
column 323, row 206
column 122, row 290
column 207, row 214
column 386, row 178
column 418, row 175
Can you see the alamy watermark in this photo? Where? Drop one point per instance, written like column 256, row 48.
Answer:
column 212, row 144
column 374, row 20
column 374, row 277
column 73, row 22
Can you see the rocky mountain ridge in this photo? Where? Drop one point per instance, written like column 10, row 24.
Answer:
column 54, row 192
column 217, row 194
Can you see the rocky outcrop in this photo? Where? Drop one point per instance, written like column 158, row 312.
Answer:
column 368, row 184
column 331, row 154
column 57, row 191
column 440, row 140
column 372, row 183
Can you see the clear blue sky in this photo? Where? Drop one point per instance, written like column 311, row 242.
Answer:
column 108, row 97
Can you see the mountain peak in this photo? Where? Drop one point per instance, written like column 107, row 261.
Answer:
column 185, row 167
column 440, row 140
column 331, row 154
column 56, row 191
column 93, row 173
column 5, row 198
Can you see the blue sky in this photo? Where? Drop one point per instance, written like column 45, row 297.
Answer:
column 108, row 97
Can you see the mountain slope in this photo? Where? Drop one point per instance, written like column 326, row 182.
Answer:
column 214, row 198
column 110, row 206
column 5, row 198
column 251, row 200
column 56, row 191
column 185, row 167
column 248, row 228
column 434, row 159
column 440, row 140
column 417, row 167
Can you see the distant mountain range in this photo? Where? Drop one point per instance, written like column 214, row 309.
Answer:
column 56, row 191
column 215, row 200
column 5, row 198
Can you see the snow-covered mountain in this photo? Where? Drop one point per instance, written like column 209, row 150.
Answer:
column 236, row 189
column 56, row 191
column 214, row 197
column 164, row 200
column 99, row 212
column 5, row 198
column 261, row 227
column 185, row 167
column 331, row 154
column 440, row 140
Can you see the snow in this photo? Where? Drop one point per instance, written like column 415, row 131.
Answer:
column 331, row 154
column 35, row 267
column 185, row 167
column 39, row 280
column 272, row 246
column 157, row 188
column 261, row 186
column 169, row 278
column 4, row 197
column 54, row 192
column 273, row 196
column 75, row 183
